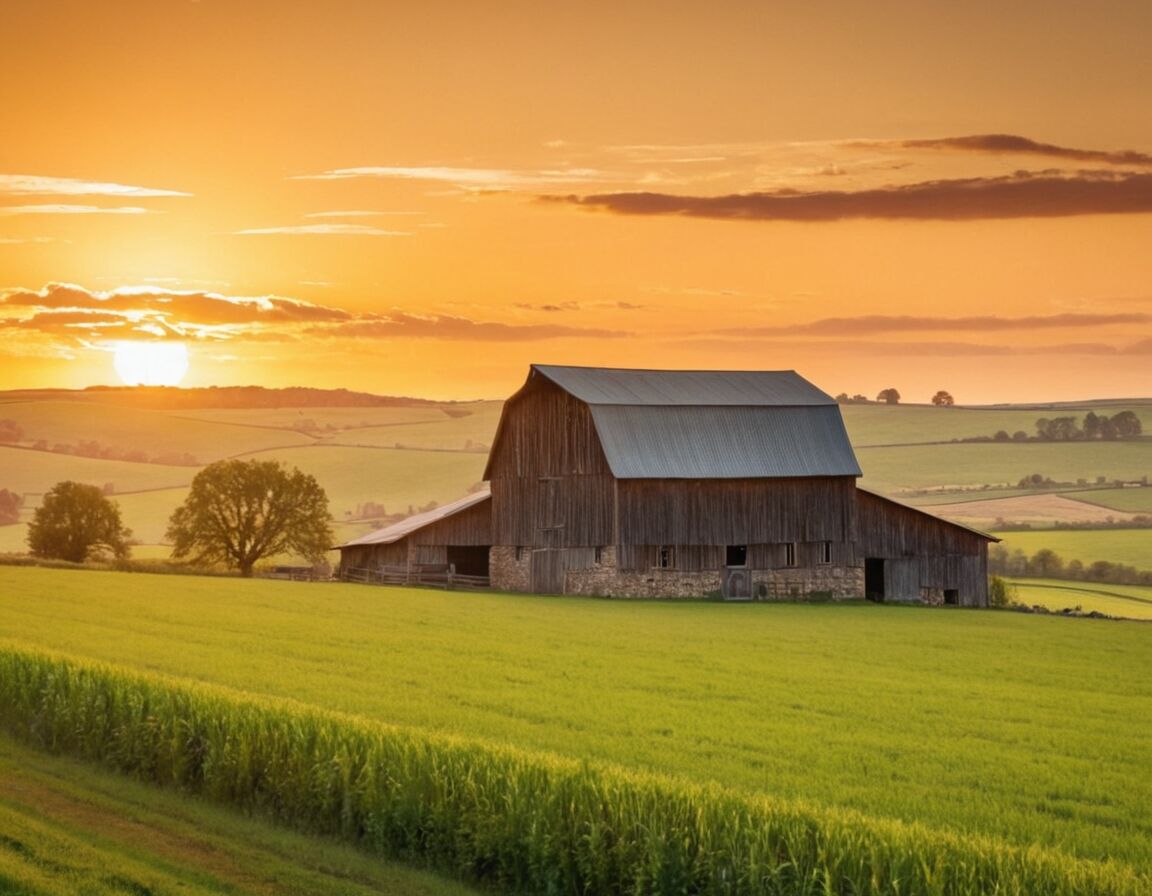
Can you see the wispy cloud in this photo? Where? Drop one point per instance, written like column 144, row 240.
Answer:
column 447, row 327
column 57, row 209
column 323, row 229
column 35, row 185
column 878, row 323
column 486, row 178
column 16, row 240
column 1002, row 144
column 1020, row 195
column 360, row 213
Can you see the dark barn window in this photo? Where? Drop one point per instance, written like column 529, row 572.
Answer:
column 736, row 555
column 951, row 596
column 825, row 552
column 665, row 557
column 790, row 554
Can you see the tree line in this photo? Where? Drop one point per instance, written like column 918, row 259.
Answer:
column 1047, row 564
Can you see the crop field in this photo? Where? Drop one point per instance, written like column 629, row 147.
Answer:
column 1121, row 601
column 1027, row 729
column 1132, row 500
column 892, row 470
column 70, row 828
column 339, row 417
column 1132, row 547
column 1045, row 508
column 37, row 471
column 875, row 424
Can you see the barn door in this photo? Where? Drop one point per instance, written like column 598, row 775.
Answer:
column 736, row 583
column 547, row 572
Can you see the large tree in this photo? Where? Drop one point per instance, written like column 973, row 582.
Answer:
column 890, row 396
column 74, row 522
column 10, row 504
column 943, row 399
column 240, row 511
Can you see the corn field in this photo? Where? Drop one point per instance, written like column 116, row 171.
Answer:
column 516, row 821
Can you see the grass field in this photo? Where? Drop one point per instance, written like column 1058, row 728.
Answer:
column 37, row 471
column 1028, row 729
column 1122, row 601
column 892, row 470
column 69, row 828
column 1132, row 500
column 876, row 424
column 1132, row 547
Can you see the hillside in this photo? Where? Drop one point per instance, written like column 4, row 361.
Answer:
column 400, row 453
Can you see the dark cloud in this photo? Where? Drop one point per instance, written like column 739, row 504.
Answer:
column 1010, row 143
column 1043, row 194
column 400, row 325
column 880, row 323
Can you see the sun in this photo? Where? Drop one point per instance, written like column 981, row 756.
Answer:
column 150, row 363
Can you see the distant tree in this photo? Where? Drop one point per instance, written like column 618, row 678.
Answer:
column 240, row 511
column 859, row 399
column 1058, row 429
column 942, row 399
column 1000, row 593
column 1001, row 436
column 842, row 398
column 889, row 396
column 1127, row 425
column 74, row 522
column 1046, row 564
column 1091, row 426
column 1019, row 436
column 10, row 504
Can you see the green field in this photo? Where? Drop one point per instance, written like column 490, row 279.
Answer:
column 69, row 828
column 37, row 471
column 1132, row 547
column 879, row 424
column 1025, row 728
column 1134, row 500
column 892, row 470
column 1121, row 601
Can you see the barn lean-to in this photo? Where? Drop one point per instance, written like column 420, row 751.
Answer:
column 654, row 483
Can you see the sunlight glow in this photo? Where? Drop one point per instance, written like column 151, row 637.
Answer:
column 151, row 363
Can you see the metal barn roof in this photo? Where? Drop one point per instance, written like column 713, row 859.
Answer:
column 710, row 424
column 604, row 385
column 396, row 531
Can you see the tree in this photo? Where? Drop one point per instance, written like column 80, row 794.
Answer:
column 1046, row 564
column 943, row 399
column 891, row 396
column 74, row 522
column 10, row 503
column 1127, row 425
column 240, row 511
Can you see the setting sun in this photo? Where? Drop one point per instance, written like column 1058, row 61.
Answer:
column 151, row 363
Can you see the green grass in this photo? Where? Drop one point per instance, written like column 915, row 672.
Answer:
column 66, row 827
column 913, row 424
column 1132, row 547
column 1134, row 500
column 891, row 470
column 1027, row 729
column 153, row 432
column 1122, row 601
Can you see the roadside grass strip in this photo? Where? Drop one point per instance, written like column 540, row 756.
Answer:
column 514, row 820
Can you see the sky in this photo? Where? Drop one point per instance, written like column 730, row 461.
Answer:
column 424, row 198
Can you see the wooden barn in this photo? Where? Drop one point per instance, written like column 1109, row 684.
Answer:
column 736, row 484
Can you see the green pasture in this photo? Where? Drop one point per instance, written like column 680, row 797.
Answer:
column 1028, row 729
column 1132, row 547
column 453, row 433
column 69, row 828
column 153, row 432
column 339, row 417
column 892, row 470
column 881, row 424
column 1121, row 601
column 1133, row 500
column 37, row 471
column 396, row 478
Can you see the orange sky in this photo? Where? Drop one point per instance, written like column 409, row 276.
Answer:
column 423, row 198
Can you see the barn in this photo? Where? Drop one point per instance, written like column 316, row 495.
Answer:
column 733, row 484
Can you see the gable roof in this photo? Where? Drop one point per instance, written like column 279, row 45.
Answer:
column 408, row 525
column 884, row 499
column 708, row 424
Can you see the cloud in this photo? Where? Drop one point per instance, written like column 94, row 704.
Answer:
column 401, row 325
column 358, row 213
column 15, row 240
column 324, row 230
column 1020, row 195
column 72, row 210
column 34, row 185
column 920, row 349
column 878, row 323
column 1010, row 143
column 490, row 178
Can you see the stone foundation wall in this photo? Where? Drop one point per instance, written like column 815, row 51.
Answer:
column 505, row 572
column 837, row 582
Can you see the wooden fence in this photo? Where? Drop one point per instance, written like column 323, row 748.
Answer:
column 439, row 575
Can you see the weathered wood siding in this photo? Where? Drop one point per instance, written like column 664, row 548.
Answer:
column 373, row 556
column 551, row 485
column 471, row 526
column 946, row 556
column 736, row 511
